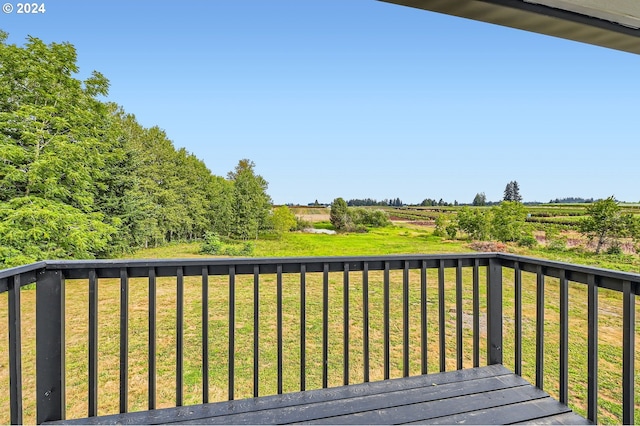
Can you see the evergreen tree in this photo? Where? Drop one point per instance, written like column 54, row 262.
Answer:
column 512, row 192
column 339, row 215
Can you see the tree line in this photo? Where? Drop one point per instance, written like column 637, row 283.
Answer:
column 81, row 178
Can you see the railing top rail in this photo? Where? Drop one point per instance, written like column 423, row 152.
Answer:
column 166, row 267
column 583, row 269
column 12, row 272
column 150, row 263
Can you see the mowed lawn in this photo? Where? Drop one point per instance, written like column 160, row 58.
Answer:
column 392, row 240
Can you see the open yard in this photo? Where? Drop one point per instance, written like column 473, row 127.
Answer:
column 398, row 239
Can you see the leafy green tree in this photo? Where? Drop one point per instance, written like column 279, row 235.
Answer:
column 606, row 223
column 220, row 198
column 54, row 145
column 508, row 221
column 251, row 204
column 283, row 220
column 339, row 215
column 96, row 181
column 474, row 222
column 32, row 228
column 480, row 199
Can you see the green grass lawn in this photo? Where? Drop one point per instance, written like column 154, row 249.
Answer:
column 405, row 239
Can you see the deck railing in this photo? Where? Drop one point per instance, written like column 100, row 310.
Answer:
column 482, row 316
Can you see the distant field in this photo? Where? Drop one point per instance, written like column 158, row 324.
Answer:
column 556, row 214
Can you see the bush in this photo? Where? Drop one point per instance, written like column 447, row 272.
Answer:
column 615, row 248
column 302, row 223
column 452, row 231
column 508, row 222
column 528, row 241
column 441, row 225
column 367, row 217
column 213, row 245
column 283, row 220
column 339, row 215
column 554, row 240
column 474, row 222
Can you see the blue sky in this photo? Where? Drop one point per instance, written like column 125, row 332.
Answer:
column 359, row 98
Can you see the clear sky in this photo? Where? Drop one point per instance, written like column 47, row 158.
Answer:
column 359, row 98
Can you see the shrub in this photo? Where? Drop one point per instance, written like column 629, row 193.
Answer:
column 441, row 225
column 614, row 248
column 339, row 215
column 367, row 217
column 554, row 240
column 474, row 222
column 528, row 241
column 283, row 220
column 302, row 223
column 508, row 221
column 213, row 245
column 452, row 231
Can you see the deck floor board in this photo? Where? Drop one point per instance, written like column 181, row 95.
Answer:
column 485, row 395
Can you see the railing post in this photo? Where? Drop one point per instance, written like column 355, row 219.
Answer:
column 15, row 351
column 50, row 381
column 494, row 312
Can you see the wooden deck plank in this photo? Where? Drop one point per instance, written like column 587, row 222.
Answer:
column 424, row 412
column 570, row 418
column 321, row 410
column 528, row 411
column 195, row 412
column 479, row 395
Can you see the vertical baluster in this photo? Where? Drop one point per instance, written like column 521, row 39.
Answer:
column 564, row 338
column 592, row 350
column 93, row 344
column 345, row 325
column 279, row 324
column 325, row 326
column 628, row 354
column 179, row 337
column 476, row 313
column 205, row 334
column 152, row 338
column 124, row 341
column 15, row 351
column 441, row 315
column 232, row 327
column 405, row 319
column 540, row 328
column 303, row 326
column 459, row 314
column 365, row 320
column 386, row 321
column 256, row 330
column 518, row 316
column 423, row 317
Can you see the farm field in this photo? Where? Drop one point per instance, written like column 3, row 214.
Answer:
column 402, row 238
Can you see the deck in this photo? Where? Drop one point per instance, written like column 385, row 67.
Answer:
column 485, row 395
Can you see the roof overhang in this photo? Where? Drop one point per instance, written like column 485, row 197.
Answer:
column 608, row 23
